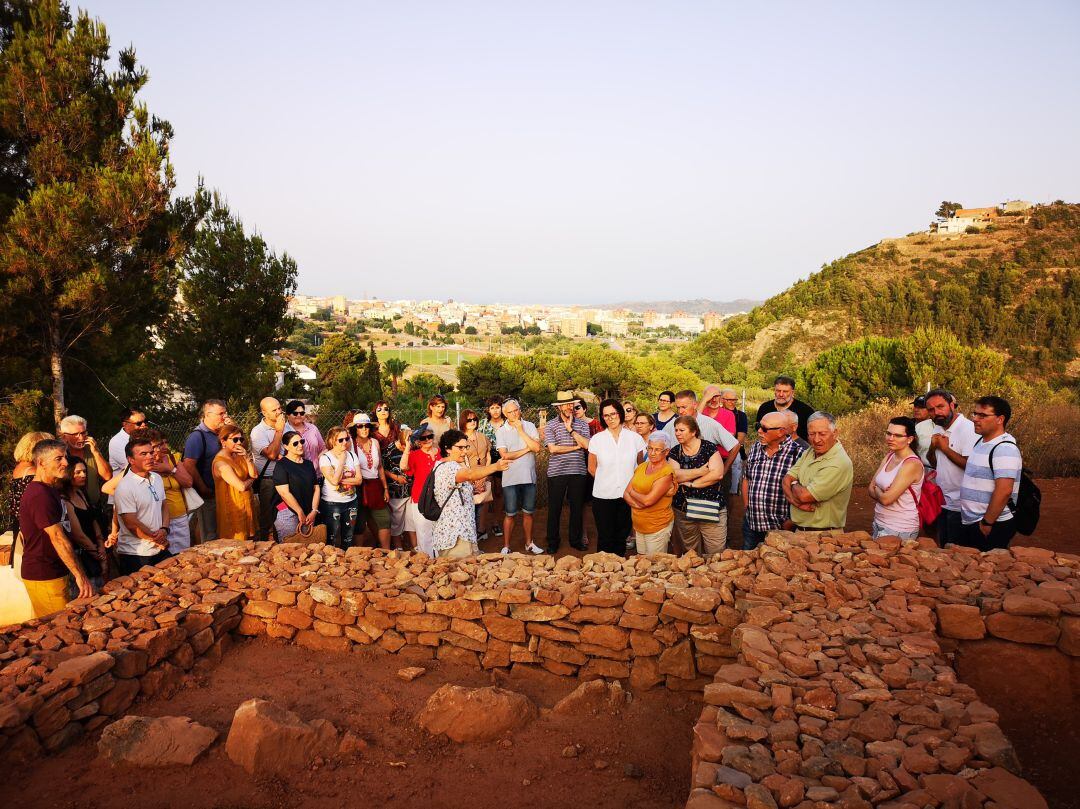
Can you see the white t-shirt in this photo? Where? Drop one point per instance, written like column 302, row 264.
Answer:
column 523, row 469
column 118, row 450
column 615, row 461
column 142, row 497
column 711, row 430
column 923, row 430
column 330, row 492
column 962, row 439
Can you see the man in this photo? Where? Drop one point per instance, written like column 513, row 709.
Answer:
column 762, row 486
column 686, row 404
column 791, row 426
column 48, row 554
column 924, row 427
column 82, row 446
column 991, row 483
column 729, row 398
column 818, row 485
column 265, row 451
column 200, row 447
column 131, row 419
column 950, row 445
column 141, row 509
column 567, row 440
column 784, row 399
column 314, row 445
column 518, row 442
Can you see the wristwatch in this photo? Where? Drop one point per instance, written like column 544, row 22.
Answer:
column 987, row 524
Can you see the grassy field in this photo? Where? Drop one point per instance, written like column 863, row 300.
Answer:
column 427, row 356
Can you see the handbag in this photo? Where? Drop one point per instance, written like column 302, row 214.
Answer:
column 315, row 534
column 697, row 508
column 371, row 494
column 192, row 500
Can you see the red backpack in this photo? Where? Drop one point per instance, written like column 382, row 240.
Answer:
column 930, row 503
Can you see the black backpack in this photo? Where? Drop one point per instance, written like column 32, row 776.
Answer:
column 1028, row 501
column 428, row 506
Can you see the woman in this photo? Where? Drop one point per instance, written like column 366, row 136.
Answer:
column 386, row 428
column 488, row 426
column 436, row 418
column 665, row 409
column 314, row 446
column 479, row 454
column 649, row 495
column 340, row 479
column 630, row 415
column 21, row 476
column 644, row 425
column 234, row 475
column 295, row 484
column 418, row 461
column 454, row 533
column 897, row 484
column 175, row 478
column 702, row 522
column 614, row 454
column 399, row 485
column 373, row 504
column 83, row 525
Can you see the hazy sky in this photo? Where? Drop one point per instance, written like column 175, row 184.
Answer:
column 600, row 151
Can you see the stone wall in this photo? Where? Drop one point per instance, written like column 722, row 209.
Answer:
column 823, row 660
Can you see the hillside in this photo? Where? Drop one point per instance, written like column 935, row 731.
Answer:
column 1014, row 287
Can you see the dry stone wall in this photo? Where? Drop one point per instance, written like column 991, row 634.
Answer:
column 823, row 660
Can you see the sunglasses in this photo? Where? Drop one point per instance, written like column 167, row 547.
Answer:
column 471, row 421
column 136, row 423
column 762, row 429
column 298, row 413
column 299, row 442
column 363, row 426
column 427, row 438
column 382, row 409
column 236, row 439
column 342, row 440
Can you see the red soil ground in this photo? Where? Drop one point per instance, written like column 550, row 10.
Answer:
column 404, row 766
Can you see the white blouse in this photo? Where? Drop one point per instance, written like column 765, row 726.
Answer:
column 615, row 461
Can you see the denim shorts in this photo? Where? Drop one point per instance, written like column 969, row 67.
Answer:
column 520, row 497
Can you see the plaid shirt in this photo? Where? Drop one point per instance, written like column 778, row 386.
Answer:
column 767, row 507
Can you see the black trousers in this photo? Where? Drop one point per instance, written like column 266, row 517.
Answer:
column 612, row 524
column 571, row 488
column 267, row 509
column 1001, row 535
column 130, row 562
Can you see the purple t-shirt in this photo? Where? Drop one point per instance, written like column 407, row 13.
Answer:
column 40, row 508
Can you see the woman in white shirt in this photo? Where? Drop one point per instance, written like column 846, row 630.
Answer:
column 341, row 476
column 614, row 454
column 374, row 496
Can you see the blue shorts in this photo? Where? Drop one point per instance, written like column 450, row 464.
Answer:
column 520, row 497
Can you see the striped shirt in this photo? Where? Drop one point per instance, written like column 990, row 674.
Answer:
column 566, row 463
column 978, row 483
column 767, row 508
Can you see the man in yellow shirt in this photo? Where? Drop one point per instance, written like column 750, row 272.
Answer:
column 818, row 486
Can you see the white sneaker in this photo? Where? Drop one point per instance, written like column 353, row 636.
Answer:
column 505, row 551
column 531, row 548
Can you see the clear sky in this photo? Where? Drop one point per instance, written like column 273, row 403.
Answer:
column 589, row 151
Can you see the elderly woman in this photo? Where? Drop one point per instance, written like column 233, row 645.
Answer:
column 614, row 454
column 649, row 495
column 454, row 533
column 295, row 484
column 234, row 475
column 897, row 484
column 644, row 425
column 700, row 504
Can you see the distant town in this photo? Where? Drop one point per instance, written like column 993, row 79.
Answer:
column 489, row 319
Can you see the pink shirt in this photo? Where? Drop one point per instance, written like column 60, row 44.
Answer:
column 726, row 419
column 314, row 446
column 903, row 513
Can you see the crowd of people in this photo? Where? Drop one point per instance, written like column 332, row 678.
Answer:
column 655, row 483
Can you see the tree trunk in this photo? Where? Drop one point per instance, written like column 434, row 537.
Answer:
column 56, row 363
column 393, row 383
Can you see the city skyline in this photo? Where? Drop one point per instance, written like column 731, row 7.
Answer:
column 595, row 151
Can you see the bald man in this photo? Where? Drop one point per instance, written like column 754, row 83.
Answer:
column 265, row 451
column 762, row 486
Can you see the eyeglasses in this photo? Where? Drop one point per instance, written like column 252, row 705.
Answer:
column 236, row 439
column 975, row 414
column 135, row 423
column 664, row 400
column 895, row 435
column 725, row 399
column 75, row 435
column 462, row 447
